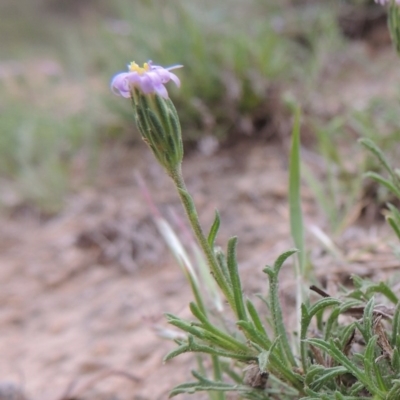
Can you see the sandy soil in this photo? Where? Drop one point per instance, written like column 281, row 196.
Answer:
column 73, row 306
column 81, row 294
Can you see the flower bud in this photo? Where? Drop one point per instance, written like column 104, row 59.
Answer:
column 158, row 122
column 155, row 114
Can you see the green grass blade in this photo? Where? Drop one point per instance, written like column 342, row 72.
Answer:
column 296, row 215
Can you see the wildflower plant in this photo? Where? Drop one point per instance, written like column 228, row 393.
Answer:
column 342, row 349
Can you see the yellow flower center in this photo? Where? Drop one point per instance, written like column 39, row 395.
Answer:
column 133, row 67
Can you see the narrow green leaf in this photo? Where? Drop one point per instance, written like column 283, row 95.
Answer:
column 313, row 372
column 332, row 319
column 384, row 182
column 214, row 229
column 276, row 310
column 394, row 393
column 235, row 279
column 381, row 367
column 226, row 341
column 395, row 226
column 358, row 282
column 368, row 320
column 347, row 334
column 369, row 361
column 384, row 289
column 304, row 323
column 185, row 326
column 264, row 356
column 395, row 211
column 396, row 360
column 325, row 376
column 356, row 388
column 374, row 149
column 306, row 317
column 332, row 349
column 322, row 304
column 258, row 340
column 393, row 218
column 183, row 348
column 256, row 319
column 282, row 258
column 240, row 356
column 203, row 385
column 263, row 360
column 223, row 266
column 198, row 314
column 395, row 326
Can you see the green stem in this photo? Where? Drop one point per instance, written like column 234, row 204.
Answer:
column 191, row 213
column 217, row 376
column 197, row 294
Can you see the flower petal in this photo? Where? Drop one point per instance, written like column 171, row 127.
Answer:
column 160, row 89
column 149, row 79
column 155, row 77
column 120, row 85
column 174, row 67
column 146, row 84
column 175, row 79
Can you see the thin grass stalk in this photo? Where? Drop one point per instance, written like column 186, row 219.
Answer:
column 296, row 215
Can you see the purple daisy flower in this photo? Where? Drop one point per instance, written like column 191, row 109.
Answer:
column 149, row 79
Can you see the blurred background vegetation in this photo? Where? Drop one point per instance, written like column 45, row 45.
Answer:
column 243, row 60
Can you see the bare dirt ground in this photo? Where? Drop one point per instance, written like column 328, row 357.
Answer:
column 82, row 293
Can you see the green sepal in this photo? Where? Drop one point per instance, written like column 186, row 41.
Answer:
column 158, row 123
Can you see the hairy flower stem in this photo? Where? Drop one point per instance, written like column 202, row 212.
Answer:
column 192, row 215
